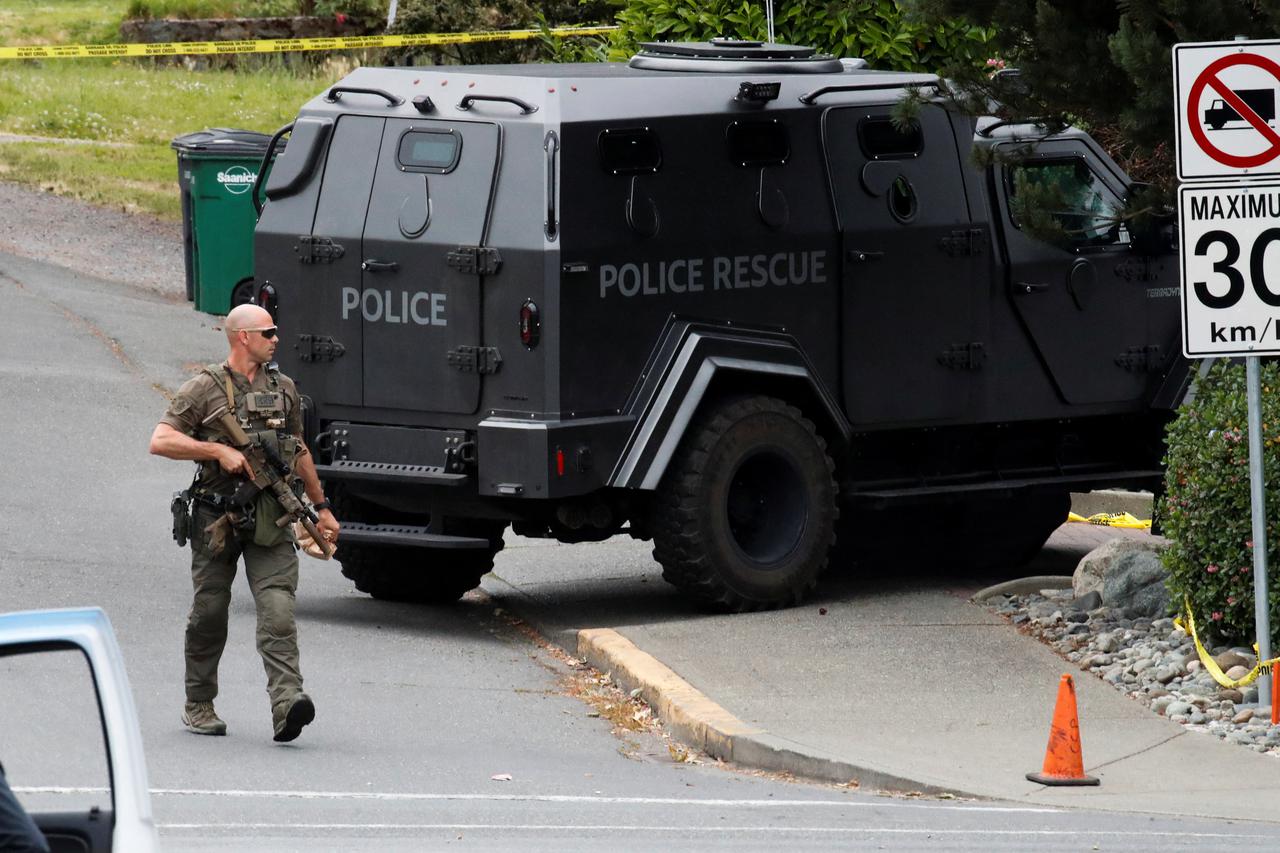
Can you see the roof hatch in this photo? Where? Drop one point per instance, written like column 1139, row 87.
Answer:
column 734, row 57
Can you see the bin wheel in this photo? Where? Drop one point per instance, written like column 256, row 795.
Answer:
column 244, row 292
column 745, row 515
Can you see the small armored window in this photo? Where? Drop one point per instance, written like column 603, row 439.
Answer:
column 902, row 200
column 434, row 151
column 881, row 139
column 630, row 151
column 1065, row 202
column 758, row 143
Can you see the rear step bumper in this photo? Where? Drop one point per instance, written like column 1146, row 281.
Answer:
column 387, row 472
column 402, row 535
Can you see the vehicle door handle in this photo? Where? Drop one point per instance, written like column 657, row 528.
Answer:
column 379, row 266
column 1027, row 287
column 863, row 255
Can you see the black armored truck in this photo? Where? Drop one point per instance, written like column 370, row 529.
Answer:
column 716, row 296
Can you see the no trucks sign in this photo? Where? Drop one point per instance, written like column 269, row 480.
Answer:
column 1225, row 96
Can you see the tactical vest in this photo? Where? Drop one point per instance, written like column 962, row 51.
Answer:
column 263, row 415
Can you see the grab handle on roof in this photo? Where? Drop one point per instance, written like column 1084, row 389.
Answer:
column 811, row 97
column 525, row 106
column 337, row 91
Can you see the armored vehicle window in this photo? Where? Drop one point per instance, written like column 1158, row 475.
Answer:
column 758, row 143
column 1065, row 201
column 882, row 140
column 429, row 151
column 630, row 151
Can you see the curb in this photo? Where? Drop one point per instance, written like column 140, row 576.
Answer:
column 699, row 722
column 1024, row 586
column 1137, row 504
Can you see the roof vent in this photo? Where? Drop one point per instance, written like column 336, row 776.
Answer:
column 734, row 57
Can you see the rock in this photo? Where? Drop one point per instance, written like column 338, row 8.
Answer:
column 1157, row 692
column 1160, row 703
column 1166, row 674
column 1090, row 575
column 1165, row 624
column 1091, row 602
column 1077, row 616
column 1243, row 716
column 1177, row 709
column 1250, row 696
column 1196, row 718
column 1142, row 625
column 1230, row 694
column 1136, row 582
column 1141, row 665
column 1230, row 659
column 1213, row 714
column 1193, row 666
column 1078, row 628
column 1107, row 643
column 1237, row 672
column 1020, row 619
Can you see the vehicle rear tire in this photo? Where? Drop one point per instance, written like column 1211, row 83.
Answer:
column 745, row 515
column 418, row 575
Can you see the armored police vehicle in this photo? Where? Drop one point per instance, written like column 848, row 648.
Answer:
column 715, row 297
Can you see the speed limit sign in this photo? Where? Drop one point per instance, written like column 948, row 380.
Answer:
column 1230, row 268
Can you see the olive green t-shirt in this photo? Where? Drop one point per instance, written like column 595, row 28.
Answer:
column 201, row 395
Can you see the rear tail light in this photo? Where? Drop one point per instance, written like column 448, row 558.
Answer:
column 530, row 324
column 267, row 299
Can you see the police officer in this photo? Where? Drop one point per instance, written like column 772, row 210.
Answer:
column 267, row 405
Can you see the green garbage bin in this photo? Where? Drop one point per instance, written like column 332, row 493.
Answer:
column 216, row 172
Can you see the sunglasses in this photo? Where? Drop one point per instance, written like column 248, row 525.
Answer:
column 268, row 333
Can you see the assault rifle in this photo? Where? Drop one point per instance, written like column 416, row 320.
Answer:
column 271, row 474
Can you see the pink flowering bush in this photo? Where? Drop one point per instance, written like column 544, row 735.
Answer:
column 1205, row 511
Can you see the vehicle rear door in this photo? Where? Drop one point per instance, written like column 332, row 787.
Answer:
column 1080, row 292
column 422, row 265
column 914, row 266
column 329, row 335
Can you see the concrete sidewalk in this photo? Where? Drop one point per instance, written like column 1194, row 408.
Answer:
column 904, row 684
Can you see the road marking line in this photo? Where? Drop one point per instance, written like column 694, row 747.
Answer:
column 546, row 798
column 613, row 827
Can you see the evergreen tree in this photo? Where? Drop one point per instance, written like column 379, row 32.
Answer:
column 1104, row 64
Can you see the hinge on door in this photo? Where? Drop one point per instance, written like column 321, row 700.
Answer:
column 475, row 359
column 475, row 260
column 969, row 356
column 1140, row 359
column 963, row 242
column 318, row 250
column 318, row 348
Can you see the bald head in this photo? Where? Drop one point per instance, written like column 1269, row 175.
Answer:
column 246, row 317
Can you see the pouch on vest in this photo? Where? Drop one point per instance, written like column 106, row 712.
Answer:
column 266, row 532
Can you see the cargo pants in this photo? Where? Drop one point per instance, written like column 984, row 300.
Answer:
column 273, row 578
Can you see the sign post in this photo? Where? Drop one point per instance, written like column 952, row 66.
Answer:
column 1225, row 104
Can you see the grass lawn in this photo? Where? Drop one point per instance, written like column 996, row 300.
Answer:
column 133, row 105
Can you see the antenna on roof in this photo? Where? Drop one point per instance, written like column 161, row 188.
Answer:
column 768, row 18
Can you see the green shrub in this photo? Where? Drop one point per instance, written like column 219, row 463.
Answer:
column 875, row 30
column 1206, row 509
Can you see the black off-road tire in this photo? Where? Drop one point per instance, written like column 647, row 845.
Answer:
column 745, row 515
column 418, row 575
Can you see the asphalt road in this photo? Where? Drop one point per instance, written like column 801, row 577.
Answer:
column 418, row 708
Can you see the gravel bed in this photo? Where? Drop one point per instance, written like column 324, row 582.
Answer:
column 1152, row 661
column 109, row 244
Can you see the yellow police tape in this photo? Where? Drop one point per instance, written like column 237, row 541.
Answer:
column 1113, row 519
column 194, row 48
column 1187, row 622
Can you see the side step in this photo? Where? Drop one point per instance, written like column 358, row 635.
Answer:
column 388, row 472
column 404, row 535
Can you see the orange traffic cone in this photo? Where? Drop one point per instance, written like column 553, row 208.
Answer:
column 1063, row 761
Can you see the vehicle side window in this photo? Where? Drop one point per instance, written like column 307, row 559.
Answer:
column 882, row 139
column 630, row 151
column 432, row 151
column 1064, row 201
column 758, row 143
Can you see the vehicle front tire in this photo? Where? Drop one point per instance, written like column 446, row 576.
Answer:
column 745, row 514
